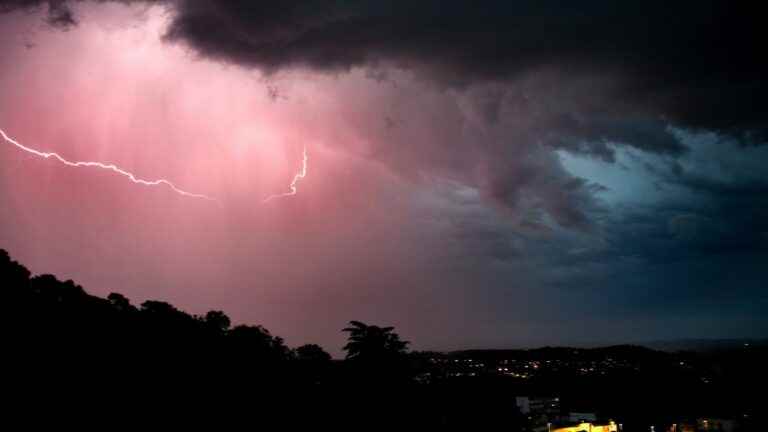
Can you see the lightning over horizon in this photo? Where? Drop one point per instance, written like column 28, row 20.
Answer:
column 110, row 167
column 300, row 175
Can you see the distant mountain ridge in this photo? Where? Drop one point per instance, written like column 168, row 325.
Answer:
column 706, row 344
column 553, row 353
column 616, row 350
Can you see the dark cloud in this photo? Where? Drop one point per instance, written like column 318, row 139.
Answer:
column 538, row 75
column 594, row 135
column 697, row 64
column 59, row 13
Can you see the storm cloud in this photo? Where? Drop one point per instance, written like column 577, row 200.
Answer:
column 693, row 63
column 561, row 76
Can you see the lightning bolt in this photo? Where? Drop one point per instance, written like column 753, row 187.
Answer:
column 109, row 167
column 292, row 188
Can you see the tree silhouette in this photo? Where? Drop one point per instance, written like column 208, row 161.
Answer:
column 311, row 353
column 313, row 364
column 217, row 321
column 256, row 344
column 120, row 302
column 373, row 343
column 12, row 274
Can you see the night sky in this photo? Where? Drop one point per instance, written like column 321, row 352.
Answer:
column 479, row 173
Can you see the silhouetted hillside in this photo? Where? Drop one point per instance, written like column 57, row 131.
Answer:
column 64, row 342
column 61, row 338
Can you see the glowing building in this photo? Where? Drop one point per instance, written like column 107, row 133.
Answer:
column 588, row 427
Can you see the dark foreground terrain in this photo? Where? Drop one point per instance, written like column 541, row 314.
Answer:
column 62, row 345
